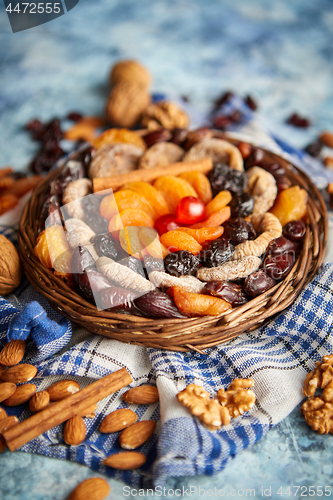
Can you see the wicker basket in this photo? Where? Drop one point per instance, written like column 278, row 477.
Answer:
column 179, row 334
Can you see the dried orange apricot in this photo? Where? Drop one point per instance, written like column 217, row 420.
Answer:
column 129, row 240
column 290, row 204
column 114, row 135
column 52, row 249
column 214, row 220
column 155, row 198
column 176, row 240
column 130, row 217
column 198, row 304
column 173, row 190
column 203, row 234
column 151, row 241
column 200, row 183
column 221, row 200
column 115, row 203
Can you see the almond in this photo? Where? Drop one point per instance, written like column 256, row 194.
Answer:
column 94, row 488
column 74, row 431
column 118, row 420
column 6, row 390
column 328, row 162
column 63, row 389
column 326, row 137
column 136, row 434
column 19, row 374
column 142, row 395
column 12, row 353
column 3, row 413
column 8, row 423
column 39, row 401
column 126, row 460
column 22, row 394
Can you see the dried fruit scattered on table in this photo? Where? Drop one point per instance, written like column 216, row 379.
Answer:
column 230, row 292
column 130, row 217
column 218, row 150
column 165, row 114
column 161, row 154
column 74, row 432
column 203, row 234
column 10, row 267
column 125, row 460
column 152, row 196
column 294, row 230
column 224, row 178
column 118, row 420
column 177, row 240
column 190, row 210
column 231, row 270
column 216, row 253
column 114, row 159
column 116, row 135
column 12, row 353
column 158, row 305
column 278, row 266
column 94, row 488
column 258, row 283
column 22, row 394
column 237, row 230
column 141, row 395
column 214, row 220
column 241, row 205
column 290, row 204
column 181, row 262
column 200, row 183
column 222, row 199
column 136, row 434
column 186, row 282
column 174, row 189
column 197, row 304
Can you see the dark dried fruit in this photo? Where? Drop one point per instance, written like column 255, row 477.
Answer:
column 282, row 182
column 314, row 149
column 159, row 135
column 255, row 158
column 295, row 230
column 181, row 262
column 251, row 103
column 221, row 122
column 90, row 284
column 223, row 177
column 197, row 135
column 241, row 206
column 278, row 266
column 74, row 116
column 226, row 96
column 106, row 246
column 134, row 264
column 298, row 121
column 231, row 292
column 282, row 245
column 216, row 253
column 116, row 297
column 81, row 260
column 237, row 230
column 34, row 125
column 153, row 264
column 258, row 283
column 179, row 136
column 158, row 305
column 92, row 216
column 275, row 169
column 236, row 116
column 71, row 171
column 50, row 212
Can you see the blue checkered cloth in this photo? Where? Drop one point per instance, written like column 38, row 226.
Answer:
column 276, row 356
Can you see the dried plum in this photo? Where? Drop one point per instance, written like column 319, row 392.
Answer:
column 134, row 264
column 237, row 230
column 158, row 305
column 223, row 177
column 153, row 264
column 231, row 292
column 258, row 283
column 106, row 246
column 241, row 205
column 93, row 218
column 181, row 262
column 255, row 158
column 216, row 253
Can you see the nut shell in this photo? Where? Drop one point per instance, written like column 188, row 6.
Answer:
column 126, row 103
column 130, row 71
column 10, row 267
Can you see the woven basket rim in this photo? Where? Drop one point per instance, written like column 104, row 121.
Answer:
column 179, row 334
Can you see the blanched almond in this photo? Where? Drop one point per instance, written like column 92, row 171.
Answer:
column 39, row 401
column 125, row 460
column 118, row 420
column 94, row 488
column 62, row 389
column 74, row 431
column 22, row 394
column 6, row 390
column 8, row 423
column 135, row 435
column 19, row 374
column 142, row 395
column 12, row 353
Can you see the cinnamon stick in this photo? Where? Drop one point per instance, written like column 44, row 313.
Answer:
column 116, row 181
column 61, row 411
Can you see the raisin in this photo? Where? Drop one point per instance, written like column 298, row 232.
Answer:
column 158, row 305
column 221, row 122
column 231, row 292
column 225, row 178
column 216, row 253
column 295, row 230
column 314, row 149
column 226, row 96
column 251, row 103
column 237, row 230
column 278, row 266
column 74, row 116
column 181, row 262
column 258, row 283
column 241, row 205
column 298, row 121
column 106, row 246
column 282, row 245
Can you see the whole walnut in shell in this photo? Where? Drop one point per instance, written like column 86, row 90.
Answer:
column 10, row 267
column 126, row 103
column 130, row 71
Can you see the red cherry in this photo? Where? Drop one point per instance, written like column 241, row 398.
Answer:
column 166, row 223
column 190, row 210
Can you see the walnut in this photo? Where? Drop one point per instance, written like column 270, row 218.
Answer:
column 126, row 103
column 161, row 154
column 72, row 197
column 318, row 414
column 231, row 270
column 218, row 150
column 238, row 399
column 262, row 186
column 320, row 377
column 130, row 71
column 164, row 114
column 114, row 159
column 200, row 404
column 10, row 267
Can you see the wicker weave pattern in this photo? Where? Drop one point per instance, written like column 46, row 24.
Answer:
column 178, row 334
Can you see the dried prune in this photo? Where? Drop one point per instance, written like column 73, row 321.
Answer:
column 134, row 264
column 106, row 246
column 90, row 284
column 223, row 98
column 81, row 260
column 159, row 135
column 221, row 122
column 153, row 264
column 298, row 121
column 92, row 217
column 314, row 149
column 223, row 177
column 158, row 305
column 216, row 253
column 231, row 292
column 258, row 283
column 275, row 169
column 237, row 230
column 241, row 205
column 116, row 297
column 278, row 266
column 50, row 212
column 295, row 230
column 251, row 103
column 181, row 263
column 282, row 245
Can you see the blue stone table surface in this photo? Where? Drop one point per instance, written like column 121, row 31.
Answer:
column 281, row 52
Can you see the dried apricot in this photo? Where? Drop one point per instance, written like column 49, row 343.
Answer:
column 203, row 234
column 130, row 241
column 198, row 304
column 117, row 202
column 114, row 135
column 221, row 200
column 214, row 220
column 200, row 183
column 130, row 217
column 290, row 204
column 154, row 197
column 150, row 239
column 174, row 189
column 176, row 240
column 52, row 249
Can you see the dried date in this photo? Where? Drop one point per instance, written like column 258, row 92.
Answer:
column 258, row 283
column 231, row 292
column 50, row 212
column 158, row 305
column 116, row 297
column 278, row 266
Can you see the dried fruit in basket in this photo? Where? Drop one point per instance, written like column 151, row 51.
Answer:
column 226, row 290
column 154, row 197
column 200, row 183
column 180, row 263
column 214, row 220
column 198, row 304
column 157, row 305
column 290, row 204
column 52, row 249
column 130, row 217
column 114, row 135
column 174, row 189
column 190, row 210
column 223, row 177
column 151, row 242
column 176, row 240
column 203, row 234
column 113, row 204
column 221, row 200
column 130, row 241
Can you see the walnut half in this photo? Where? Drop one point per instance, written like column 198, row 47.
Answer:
column 237, row 398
